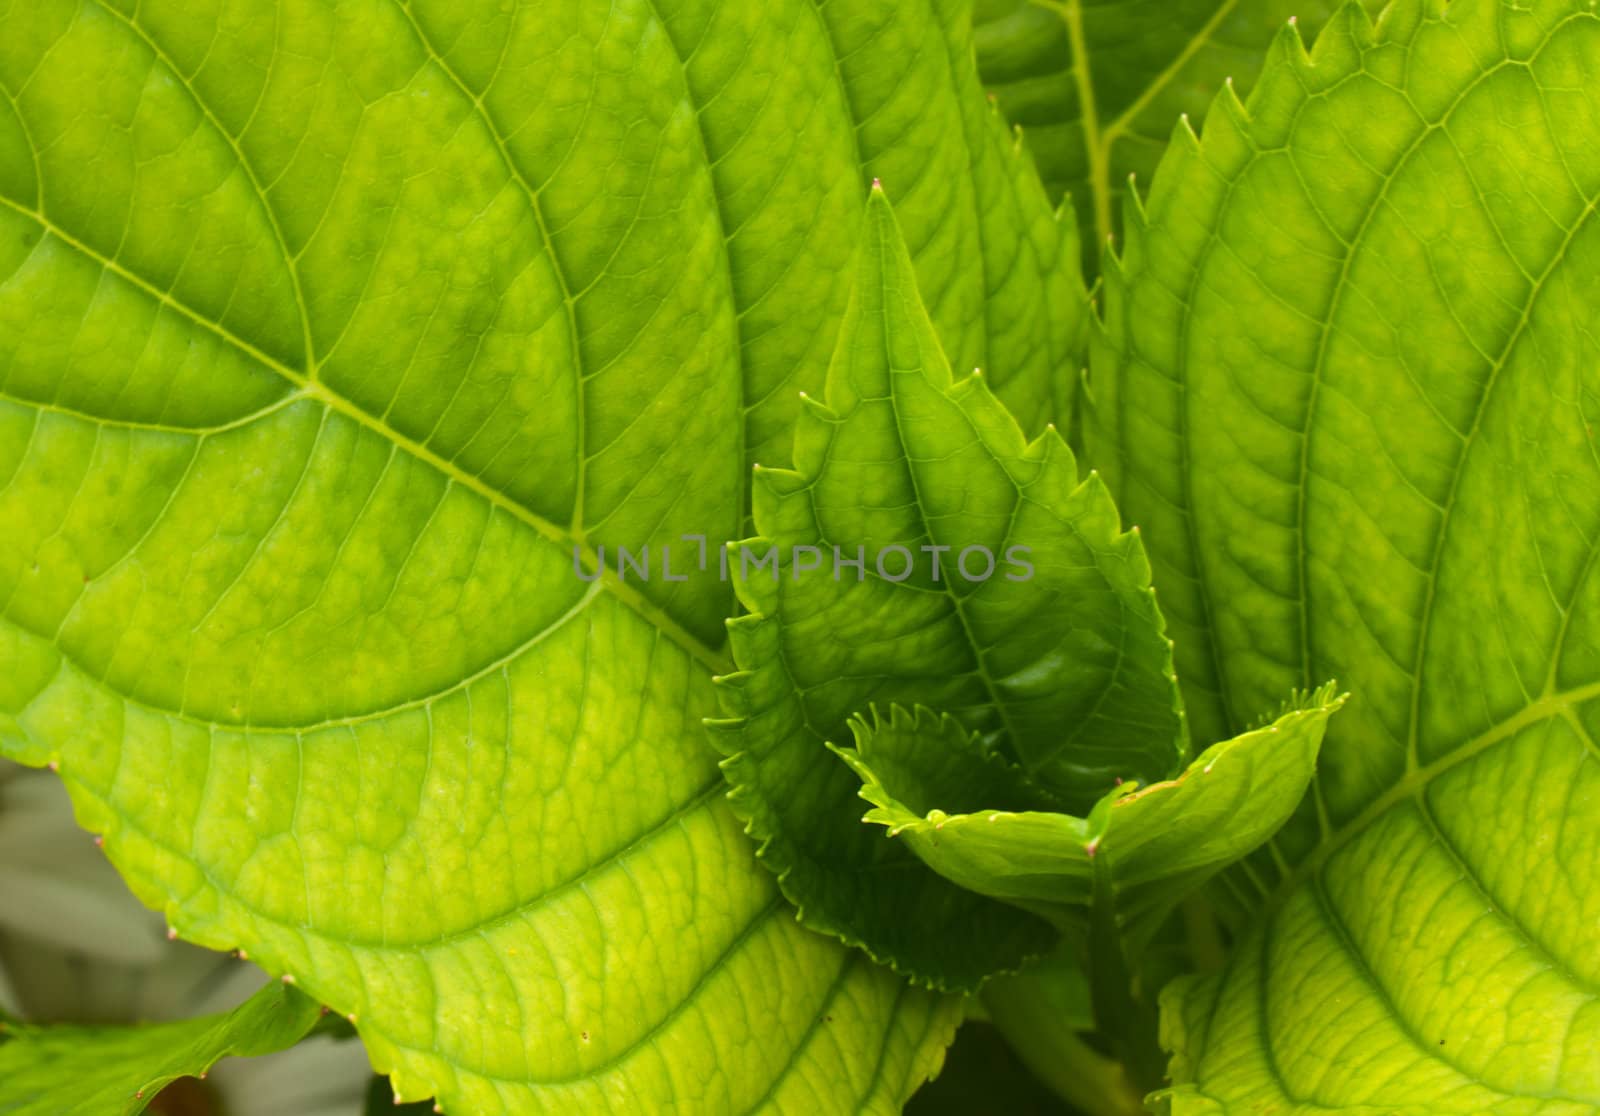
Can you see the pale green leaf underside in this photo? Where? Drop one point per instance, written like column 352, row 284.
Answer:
column 117, row 1071
column 1383, row 273
column 1061, row 661
column 326, row 333
column 1143, row 849
column 1098, row 84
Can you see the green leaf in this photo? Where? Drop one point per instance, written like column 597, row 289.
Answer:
column 1036, row 626
column 1142, row 848
column 117, row 1071
column 1098, row 84
column 334, row 341
column 1348, row 384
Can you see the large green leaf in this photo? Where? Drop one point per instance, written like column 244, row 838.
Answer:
column 1109, row 880
column 1131, row 858
column 1099, row 84
column 117, row 1071
column 1349, row 388
column 333, row 338
column 990, row 582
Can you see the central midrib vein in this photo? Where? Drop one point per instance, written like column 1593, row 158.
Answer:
column 1097, row 139
column 1071, row 12
column 713, row 659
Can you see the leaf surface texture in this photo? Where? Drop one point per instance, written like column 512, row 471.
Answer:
column 1097, row 85
column 1059, row 659
column 1135, row 855
column 1347, row 383
column 332, row 338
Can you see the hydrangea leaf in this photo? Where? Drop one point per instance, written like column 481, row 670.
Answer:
column 1383, row 272
column 1097, row 84
column 1141, row 849
column 335, row 340
column 117, row 1071
column 991, row 583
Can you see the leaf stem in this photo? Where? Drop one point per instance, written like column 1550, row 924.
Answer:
column 1127, row 1022
column 1094, row 146
column 1052, row 1050
column 1203, row 933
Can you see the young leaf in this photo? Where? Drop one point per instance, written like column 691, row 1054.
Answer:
column 1142, row 848
column 1097, row 86
column 117, row 1071
column 1348, row 383
column 989, row 581
column 332, row 339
